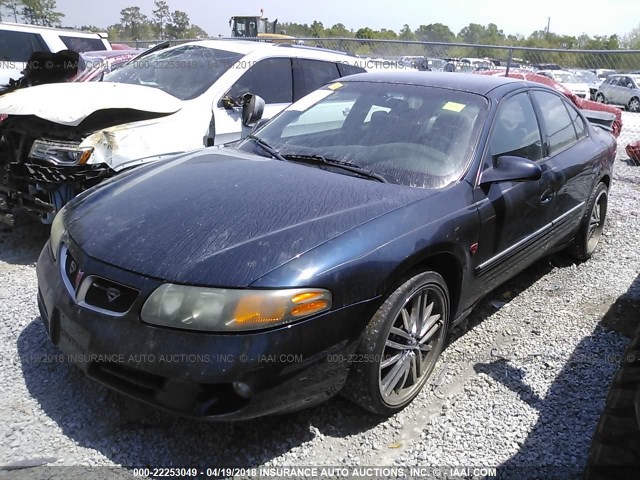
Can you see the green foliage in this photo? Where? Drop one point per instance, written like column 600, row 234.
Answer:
column 39, row 12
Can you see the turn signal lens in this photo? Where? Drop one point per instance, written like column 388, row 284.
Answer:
column 219, row 310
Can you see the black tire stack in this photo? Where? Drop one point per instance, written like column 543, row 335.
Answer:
column 615, row 450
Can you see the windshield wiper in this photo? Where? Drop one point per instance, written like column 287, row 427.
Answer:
column 267, row 148
column 349, row 167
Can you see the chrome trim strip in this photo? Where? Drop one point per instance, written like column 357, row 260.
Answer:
column 82, row 293
column 517, row 245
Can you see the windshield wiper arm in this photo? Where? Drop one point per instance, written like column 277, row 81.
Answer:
column 349, row 167
column 267, row 148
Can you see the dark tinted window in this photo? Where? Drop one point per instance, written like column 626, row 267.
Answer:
column 557, row 121
column 79, row 44
column 349, row 69
column 625, row 82
column 270, row 79
column 578, row 123
column 18, row 46
column 515, row 130
column 312, row 74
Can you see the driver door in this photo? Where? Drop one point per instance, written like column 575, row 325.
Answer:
column 515, row 217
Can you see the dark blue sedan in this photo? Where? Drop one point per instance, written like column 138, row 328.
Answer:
column 330, row 251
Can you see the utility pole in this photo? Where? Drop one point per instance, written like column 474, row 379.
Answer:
column 548, row 25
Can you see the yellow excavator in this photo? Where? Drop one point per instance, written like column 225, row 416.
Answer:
column 257, row 26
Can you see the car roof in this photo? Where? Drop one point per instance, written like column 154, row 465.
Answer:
column 246, row 47
column 481, row 84
column 25, row 27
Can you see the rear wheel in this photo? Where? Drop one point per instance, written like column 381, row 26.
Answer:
column 600, row 98
column 400, row 345
column 634, row 105
column 590, row 232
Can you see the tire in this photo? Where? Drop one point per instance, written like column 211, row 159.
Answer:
column 592, row 225
column 634, row 105
column 600, row 98
column 615, row 448
column 389, row 377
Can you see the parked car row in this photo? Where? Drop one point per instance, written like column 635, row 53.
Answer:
column 62, row 138
column 296, row 228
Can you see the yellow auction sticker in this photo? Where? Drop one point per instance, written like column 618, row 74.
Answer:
column 453, row 106
column 335, row 86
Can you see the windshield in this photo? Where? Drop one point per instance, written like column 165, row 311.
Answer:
column 410, row 135
column 184, row 72
column 587, row 77
column 565, row 77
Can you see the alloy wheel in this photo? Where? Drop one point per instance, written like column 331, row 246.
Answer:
column 634, row 105
column 600, row 98
column 412, row 345
column 596, row 221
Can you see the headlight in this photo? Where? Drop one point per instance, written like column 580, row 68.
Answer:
column 226, row 310
column 60, row 153
column 57, row 230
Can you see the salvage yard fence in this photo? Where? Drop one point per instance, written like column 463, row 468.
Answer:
column 513, row 56
column 468, row 57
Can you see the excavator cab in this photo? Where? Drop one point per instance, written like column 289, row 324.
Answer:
column 251, row 26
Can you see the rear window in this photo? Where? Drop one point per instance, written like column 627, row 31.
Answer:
column 18, row 46
column 81, row 44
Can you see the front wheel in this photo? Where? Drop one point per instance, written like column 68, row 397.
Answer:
column 400, row 345
column 600, row 98
column 634, row 105
column 592, row 225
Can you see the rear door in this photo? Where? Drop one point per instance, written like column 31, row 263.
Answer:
column 309, row 75
column 568, row 161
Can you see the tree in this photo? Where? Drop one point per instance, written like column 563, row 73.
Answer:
column 179, row 26
column 365, row 33
column 317, row 29
column 161, row 17
column 435, row 32
column 13, row 6
column 196, row 32
column 406, row 33
column 340, row 31
column 41, row 12
column 133, row 23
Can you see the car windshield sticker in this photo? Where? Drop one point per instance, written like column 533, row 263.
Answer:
column 453, row 106
column 335, row 86
column 310, row 100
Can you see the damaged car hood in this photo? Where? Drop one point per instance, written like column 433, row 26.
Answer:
column 223, row 218
column 71, row 103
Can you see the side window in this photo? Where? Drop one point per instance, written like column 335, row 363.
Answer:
column 612, row 82
column 577, row 120
column 271, row 79
column 557, row 121
column 18, row 46
column 515, row 130
column 346, row 69
column 311, row 75
column 82, row 44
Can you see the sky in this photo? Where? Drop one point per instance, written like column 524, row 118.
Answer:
column 569, row 17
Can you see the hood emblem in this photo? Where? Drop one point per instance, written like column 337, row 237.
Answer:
column 113, row 294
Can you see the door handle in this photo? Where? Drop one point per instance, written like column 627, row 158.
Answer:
column 547, row 196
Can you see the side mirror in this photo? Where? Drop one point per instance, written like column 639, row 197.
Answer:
column 252, row 108
column 508, row 168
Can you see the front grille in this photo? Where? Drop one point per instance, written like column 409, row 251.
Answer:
column 59, row 174
column 107, row 295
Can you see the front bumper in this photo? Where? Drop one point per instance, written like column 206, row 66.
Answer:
column 197, row 374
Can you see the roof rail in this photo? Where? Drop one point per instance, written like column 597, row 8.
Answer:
column 309, row 47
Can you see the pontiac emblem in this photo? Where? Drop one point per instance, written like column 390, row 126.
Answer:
column 113, row 294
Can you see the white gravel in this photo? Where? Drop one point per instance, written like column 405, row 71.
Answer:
column 523, row 386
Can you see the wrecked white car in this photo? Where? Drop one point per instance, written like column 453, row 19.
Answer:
column 60, row 139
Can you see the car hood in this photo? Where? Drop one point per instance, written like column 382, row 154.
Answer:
column 223, row 218
column 70, row 103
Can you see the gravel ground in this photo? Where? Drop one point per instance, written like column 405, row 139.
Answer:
column 522, row 385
